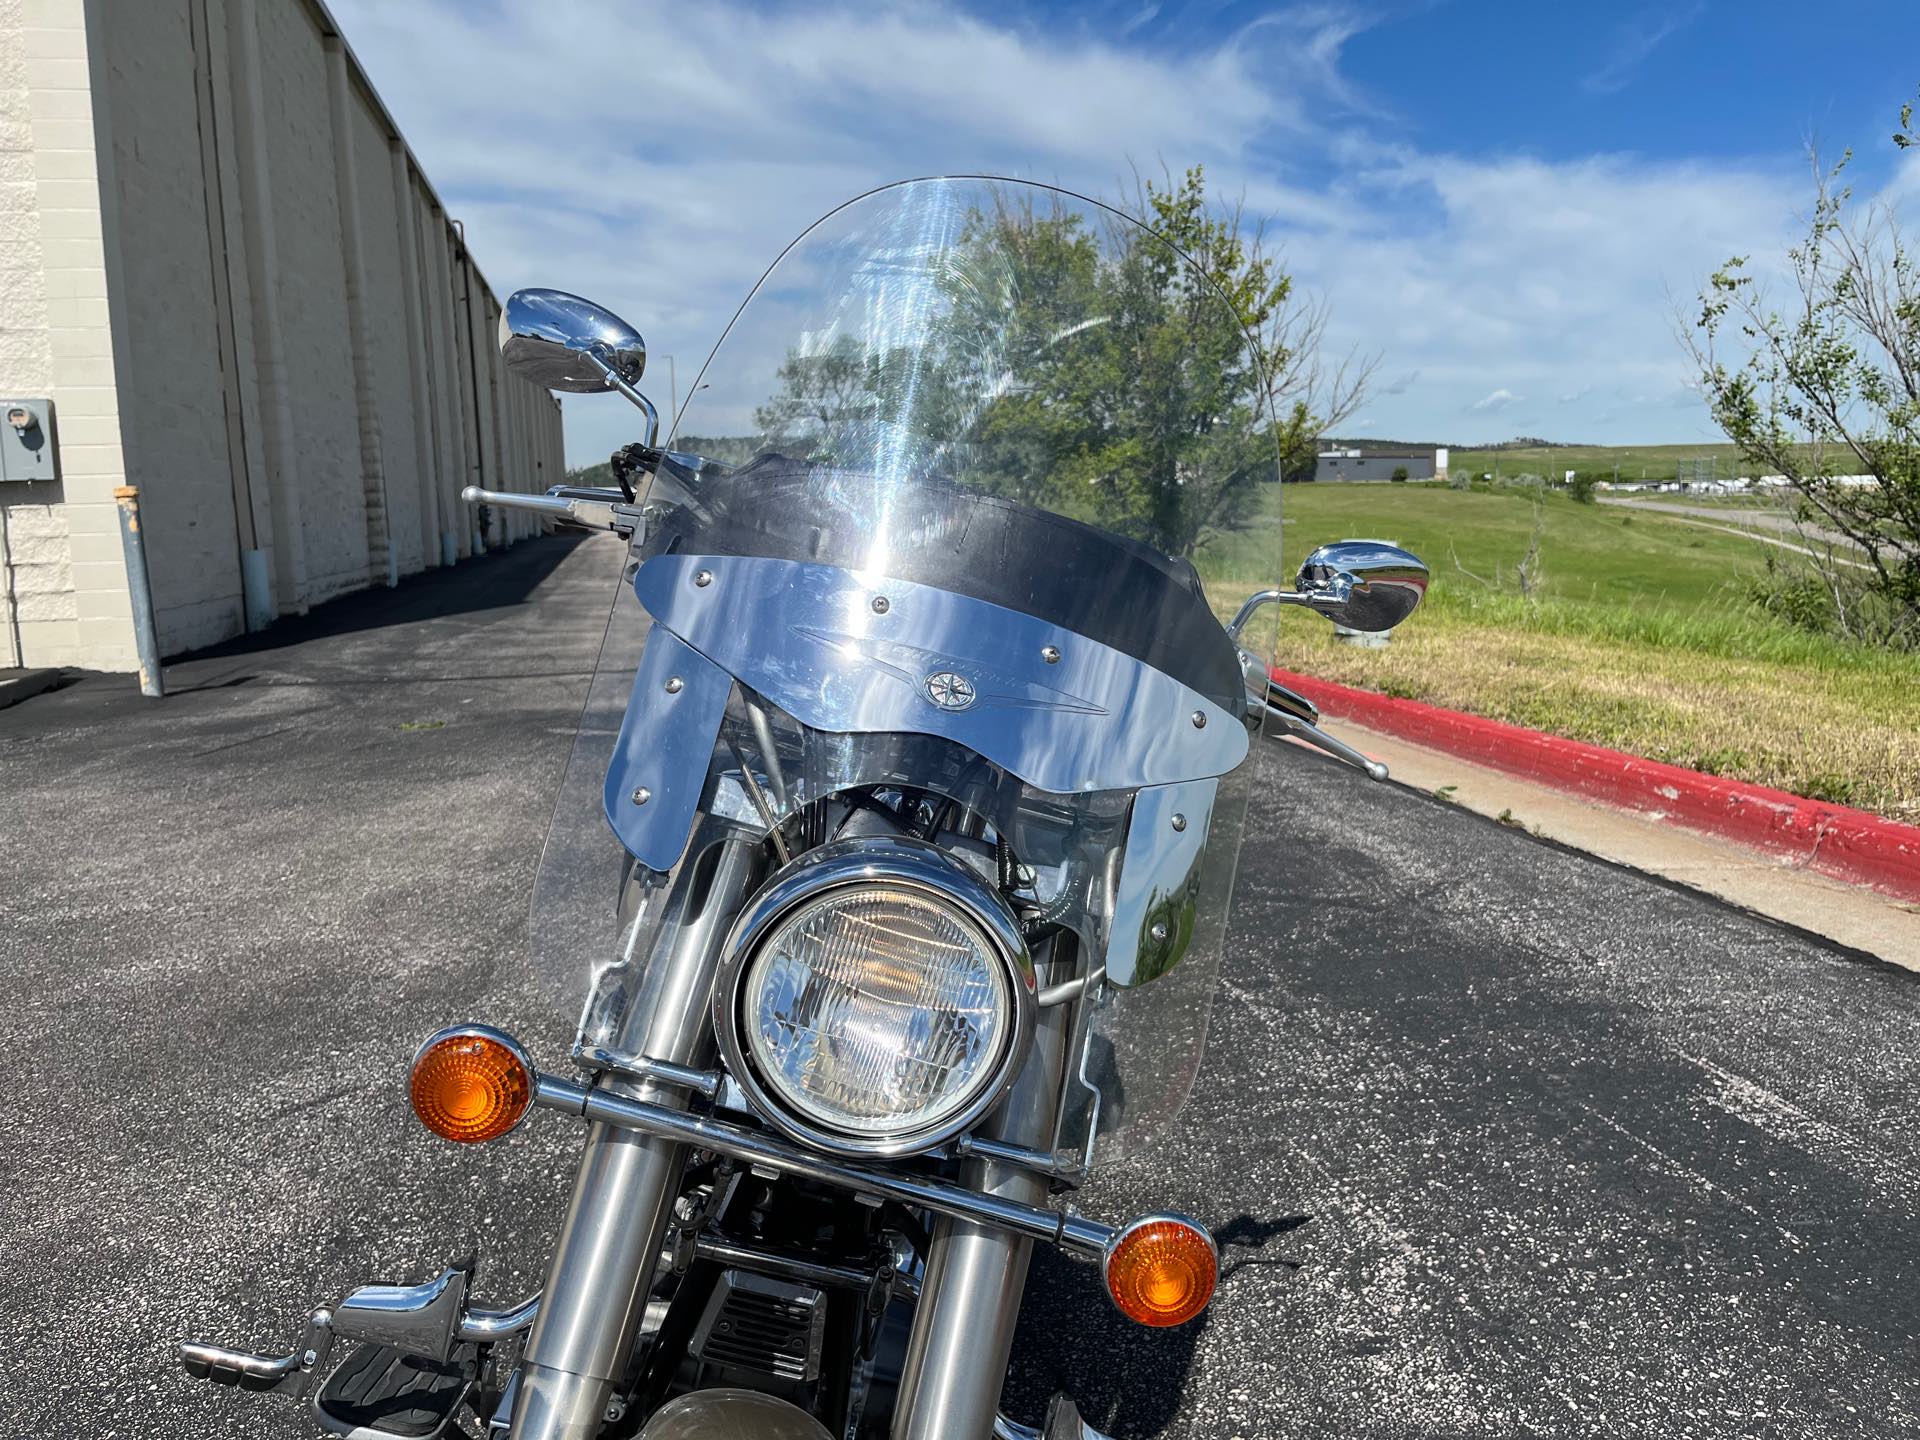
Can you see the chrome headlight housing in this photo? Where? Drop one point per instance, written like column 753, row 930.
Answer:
column 876, row 999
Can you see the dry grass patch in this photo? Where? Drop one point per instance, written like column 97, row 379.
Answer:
column 1849, row 734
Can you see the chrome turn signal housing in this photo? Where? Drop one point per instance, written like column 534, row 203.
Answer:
column 877, row 998
column 470, row 1084
column 1161, row 1270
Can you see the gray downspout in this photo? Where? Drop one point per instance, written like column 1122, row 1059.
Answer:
column 456, row 538
column 475, row 344
column 256, row 599
column 382, row 563
column 256, row 214
column 404, row 211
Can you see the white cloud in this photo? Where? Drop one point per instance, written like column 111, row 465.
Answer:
column 1497, row 400
column 658, row 160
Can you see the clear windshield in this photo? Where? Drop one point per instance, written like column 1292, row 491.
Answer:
column 994, row 461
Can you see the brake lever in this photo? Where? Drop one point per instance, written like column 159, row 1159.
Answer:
column 1321, row 740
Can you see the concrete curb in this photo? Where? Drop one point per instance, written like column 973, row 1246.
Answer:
column 1846, row 844
column 18, row 685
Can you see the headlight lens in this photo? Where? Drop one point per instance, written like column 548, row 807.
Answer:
column 877, row 1010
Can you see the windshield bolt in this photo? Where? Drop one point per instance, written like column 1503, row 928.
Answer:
column 1199, row 719
column 1179, row 822
column 703, row 578
column 1159, row 932
column 642, row 795
column 1051, row 655
column 881, row 604
column 675, row 685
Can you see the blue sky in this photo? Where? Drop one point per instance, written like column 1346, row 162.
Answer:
column 1507, row 203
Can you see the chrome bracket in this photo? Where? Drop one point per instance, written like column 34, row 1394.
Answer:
column 644, row 1067
column 1054, row 1164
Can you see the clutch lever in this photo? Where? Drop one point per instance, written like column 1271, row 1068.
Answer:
column 1339, row 749
column 568, row 505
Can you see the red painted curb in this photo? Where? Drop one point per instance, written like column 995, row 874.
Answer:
column 1847, row 844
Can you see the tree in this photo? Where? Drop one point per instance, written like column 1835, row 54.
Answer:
column 1825, row 392
column 1399, row 474
column 1581, row 486
column 1146, row 377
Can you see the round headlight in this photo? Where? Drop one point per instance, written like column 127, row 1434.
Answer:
column 876, row 1005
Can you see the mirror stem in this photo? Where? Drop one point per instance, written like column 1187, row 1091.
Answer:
column 1274, row 597
column 617, row 381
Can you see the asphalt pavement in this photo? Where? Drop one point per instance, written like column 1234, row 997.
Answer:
column 1503, row 1140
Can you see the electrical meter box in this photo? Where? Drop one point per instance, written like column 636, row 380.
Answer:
column 26, row 441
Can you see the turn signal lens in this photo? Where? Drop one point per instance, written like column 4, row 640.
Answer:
column 471, row 1085
column 1161, row 1270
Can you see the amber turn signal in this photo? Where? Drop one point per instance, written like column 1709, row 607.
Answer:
column 1161, row 1270
column 471, row 1084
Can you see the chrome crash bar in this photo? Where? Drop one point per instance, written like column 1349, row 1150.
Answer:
column 718, row 1087
column 427, row 1319
column 1075, row 1233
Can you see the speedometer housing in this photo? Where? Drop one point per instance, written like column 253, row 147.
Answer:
column 876, row 999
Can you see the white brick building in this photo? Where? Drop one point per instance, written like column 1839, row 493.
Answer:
column 221, row 263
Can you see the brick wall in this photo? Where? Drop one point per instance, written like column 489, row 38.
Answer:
column 179, row 156
column 64, row 586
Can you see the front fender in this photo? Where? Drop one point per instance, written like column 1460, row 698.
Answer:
column 726, row 1414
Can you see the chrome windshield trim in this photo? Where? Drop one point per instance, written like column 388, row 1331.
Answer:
column 1159, row 881
column 659, row 767
column 865, row 653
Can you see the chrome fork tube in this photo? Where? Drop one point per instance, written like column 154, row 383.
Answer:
column 603, row 1264
column 970, row 1295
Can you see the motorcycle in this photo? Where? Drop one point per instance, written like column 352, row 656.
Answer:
column 888, row 877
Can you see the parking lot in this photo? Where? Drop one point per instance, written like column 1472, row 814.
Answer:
column 1504, row 1141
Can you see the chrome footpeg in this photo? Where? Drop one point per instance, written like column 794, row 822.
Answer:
column 432, row 1321
column 276, row 1374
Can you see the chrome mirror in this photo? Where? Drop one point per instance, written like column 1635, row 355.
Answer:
column 1364, row 585
column 561, row 342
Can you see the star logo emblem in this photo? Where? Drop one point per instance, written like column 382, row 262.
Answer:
column 950, row 691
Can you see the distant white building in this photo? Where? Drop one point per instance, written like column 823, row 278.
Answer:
column 1369, row 463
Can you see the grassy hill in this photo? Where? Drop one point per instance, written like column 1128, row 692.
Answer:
column 1634, row 462
column 1639, row 635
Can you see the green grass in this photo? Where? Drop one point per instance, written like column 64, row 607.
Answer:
column 1639, row 637
column 1591, row 553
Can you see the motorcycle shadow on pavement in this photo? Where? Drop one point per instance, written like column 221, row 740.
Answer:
column 1126, row 1378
